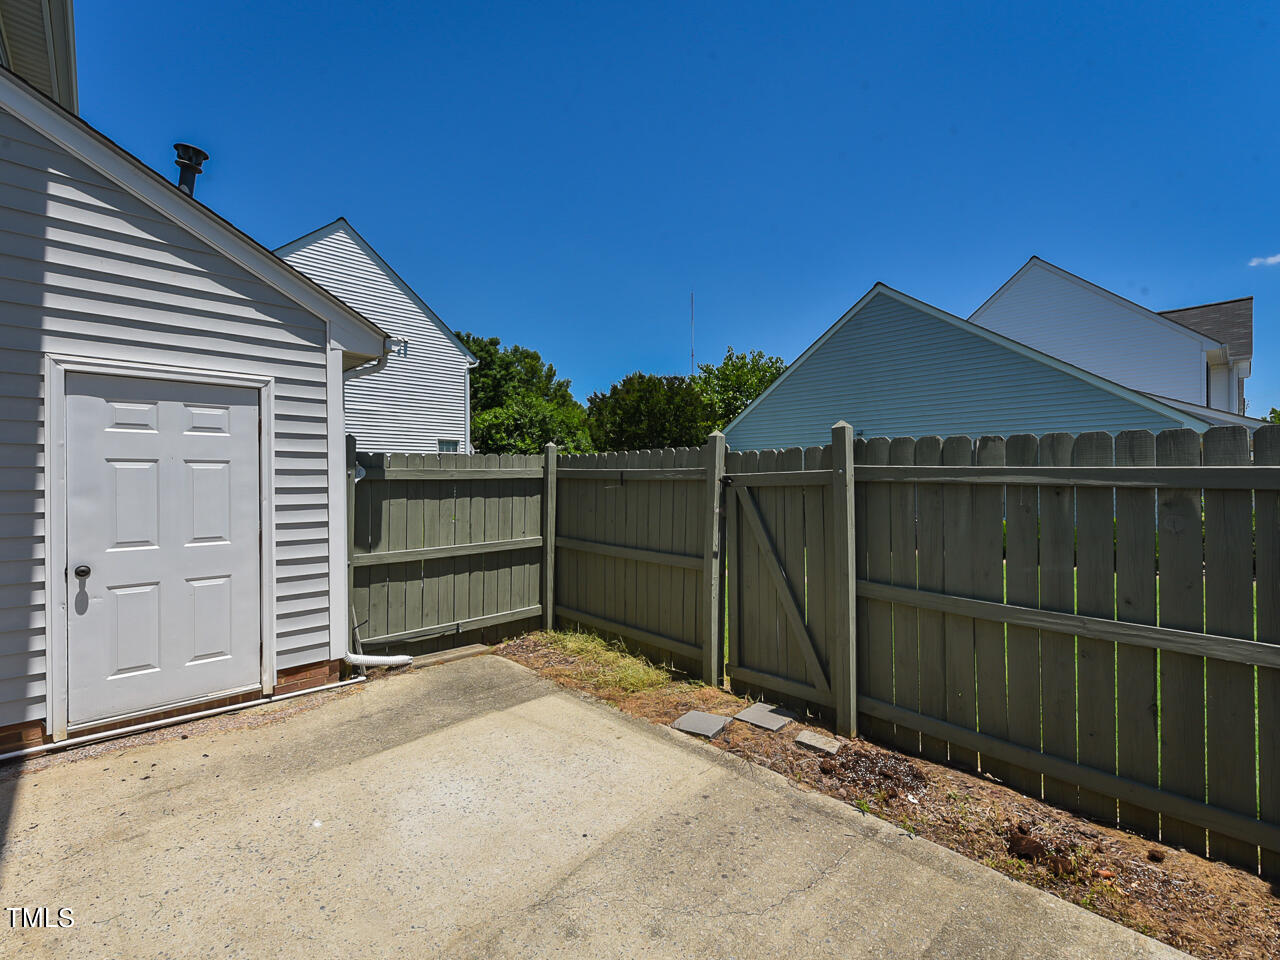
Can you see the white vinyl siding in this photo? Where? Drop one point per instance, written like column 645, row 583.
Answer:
column 893, row 370
column 421, row 396
column 88, row 269
column 1070, row 319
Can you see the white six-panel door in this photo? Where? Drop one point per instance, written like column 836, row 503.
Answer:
column 162, row 544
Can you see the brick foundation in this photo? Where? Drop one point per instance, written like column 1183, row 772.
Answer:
column 22, row 736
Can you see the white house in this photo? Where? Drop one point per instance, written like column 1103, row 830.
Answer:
column 1197, row 355
column 172, row 457
column 895, row 366
column 420, row 402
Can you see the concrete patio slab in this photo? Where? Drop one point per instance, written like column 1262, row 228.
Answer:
column 476, row 810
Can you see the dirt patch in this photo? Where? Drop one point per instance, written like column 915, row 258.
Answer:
column 1207, row 909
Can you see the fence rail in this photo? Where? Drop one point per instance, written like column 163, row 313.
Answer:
column 1095, row 621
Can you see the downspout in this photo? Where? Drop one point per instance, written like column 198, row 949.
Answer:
column 356, row 657
column 466, row 399
column 389, row 346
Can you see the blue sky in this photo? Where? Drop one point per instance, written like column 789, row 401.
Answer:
column 561, row 175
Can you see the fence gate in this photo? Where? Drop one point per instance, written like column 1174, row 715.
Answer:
column 788, row 574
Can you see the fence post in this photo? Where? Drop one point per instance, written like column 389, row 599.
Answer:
column 713, row 654
column 844, row 667
column 549, row 537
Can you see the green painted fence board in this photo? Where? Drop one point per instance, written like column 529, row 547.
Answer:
column 1228, row 602
column 1181, row 595
column 1095, row 597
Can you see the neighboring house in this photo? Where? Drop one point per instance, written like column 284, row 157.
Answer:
column 421, row 401
column 172, row 456
column 1197, row 355
column 895, row 366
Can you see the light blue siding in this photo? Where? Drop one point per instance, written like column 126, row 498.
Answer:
column 894, row 370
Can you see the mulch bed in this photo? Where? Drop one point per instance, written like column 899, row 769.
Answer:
column 1207, row 909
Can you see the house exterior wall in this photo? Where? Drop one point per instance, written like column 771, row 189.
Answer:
column 960, row 383
column 417, row 399
column 1070, row 320
column 89, row 270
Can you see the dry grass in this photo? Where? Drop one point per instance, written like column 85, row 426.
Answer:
column 1208, row 909
column 601, row 666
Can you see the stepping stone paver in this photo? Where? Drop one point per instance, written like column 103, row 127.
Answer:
column 700, row 723
column 816, row 741
column 766, row 715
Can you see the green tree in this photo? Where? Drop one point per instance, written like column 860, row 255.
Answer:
column 643, row 410
column 737, row 380
column 1274, row 415
column 518, row 403
column 525, row 424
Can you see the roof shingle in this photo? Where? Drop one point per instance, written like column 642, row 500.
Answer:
column 1229, row 322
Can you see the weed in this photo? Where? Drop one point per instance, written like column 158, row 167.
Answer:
column 607, row 665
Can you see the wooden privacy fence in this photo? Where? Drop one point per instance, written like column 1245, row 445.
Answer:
column 637, row 550
column 1091, row 620
column 444, row 545
column 1076, row 616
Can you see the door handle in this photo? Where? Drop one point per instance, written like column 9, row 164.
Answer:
column 82, row 571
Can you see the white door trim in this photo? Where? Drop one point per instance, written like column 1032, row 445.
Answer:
column 56, row 367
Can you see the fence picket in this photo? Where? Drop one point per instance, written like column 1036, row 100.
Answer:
column 933, row 664
column 957, row 520
column 875, row 668
column 733, row 582
column 817, row 546
column 905, row 669
column 1095, row 597
column 1022, row 587
column 988, row 584
column 1228, row 602
column 1137, row 708
column 1180, row 591
column 788, row 534
column 670, row 614
column 1057, row 592
column 1266, row 452
column 415, row 536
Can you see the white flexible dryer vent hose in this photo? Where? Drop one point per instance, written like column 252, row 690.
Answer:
column 366, row 660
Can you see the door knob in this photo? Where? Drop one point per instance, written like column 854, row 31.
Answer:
column 82, row 571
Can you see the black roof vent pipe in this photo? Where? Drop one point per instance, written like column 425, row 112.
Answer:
column 190, row 162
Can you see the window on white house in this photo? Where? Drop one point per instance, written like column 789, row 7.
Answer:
column 447, row 446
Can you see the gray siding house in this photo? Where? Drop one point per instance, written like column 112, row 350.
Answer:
column 895, row 366
column 172, row 457
column 420, row 401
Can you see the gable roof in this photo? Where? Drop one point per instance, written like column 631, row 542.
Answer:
column 1208, row 342
column 1133, row 396
column 366, row 248
column 345, row 326
column 1228, row 321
